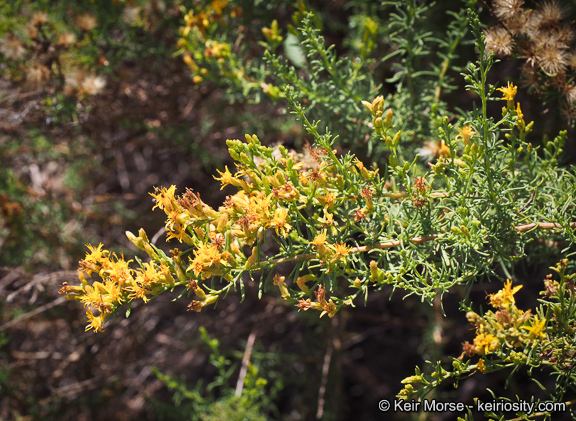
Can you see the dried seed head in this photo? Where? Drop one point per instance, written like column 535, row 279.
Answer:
column 572, row 59
column 93, row 85
column 73, row 78
column 552, row 60
column 565, row 34
column 429, row 150
column 549, row 14
column 12, row 47
column 499, row 41
column 521, row 23
column 131, row 15
column 37, row 75
column 554, row 38
column 571, row 95
column 506, row 9
column 31, row 30
column 66, row 39
column 86, row 22
column 469, row 349
column 530, row 78
column 39, row 19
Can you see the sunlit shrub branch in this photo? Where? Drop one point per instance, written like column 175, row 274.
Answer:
column 324, row 229
column 328, row 210
column 510, row 338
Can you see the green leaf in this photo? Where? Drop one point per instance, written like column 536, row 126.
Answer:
column 294, row 51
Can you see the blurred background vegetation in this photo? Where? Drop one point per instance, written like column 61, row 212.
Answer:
column 96, row 108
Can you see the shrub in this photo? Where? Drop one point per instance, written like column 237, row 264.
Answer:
column 442, row 199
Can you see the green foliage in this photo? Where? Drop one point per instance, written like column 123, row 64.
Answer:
column 25, row 237
column 218, row 400
column 453, row 198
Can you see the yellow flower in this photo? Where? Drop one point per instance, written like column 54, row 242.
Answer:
column 96, row 254
column 92, row 295
column 176, row 223
column 96, row 322
column 465, row 134
column 73, row 292
column 486, row 343
column 280, row 282
column 226, row 178
column 320, row 239
column 519, row 112
column 505, row 297
column 280, row 222
column 114, row 292
column 326, row 307
column 537, row 328
column 92, row 262
column 148, row 276
column 286, row 192
column 165, row 199
column 509, row 92
column 141, row 292
column 481, row 366
column 329, row 308
column 118, row 271
column 199, row 305
column 327, row 200
column 341, row 251
column 328, row 221
column 208, row 261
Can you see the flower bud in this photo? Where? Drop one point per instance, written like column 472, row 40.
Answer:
column 388, row 120
column 142, row 234
column 150, row 251
column 368, row 106
column 396, row 139
column 378, row 106
column 137, row 241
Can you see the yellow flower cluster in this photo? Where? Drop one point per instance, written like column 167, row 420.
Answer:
column 181, row 212
column 199, row 26
column 508, row 326
column 223, row 242
column 203, row 19
column 120, row 283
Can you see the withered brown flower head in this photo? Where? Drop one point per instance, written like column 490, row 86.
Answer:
column 498, row 41
column 12, row 47
column 552, row 60
column 39, row 19
column 571, row 95
column 86, row 22
column 37, row 75
column 549, row 14
column 507, row 9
